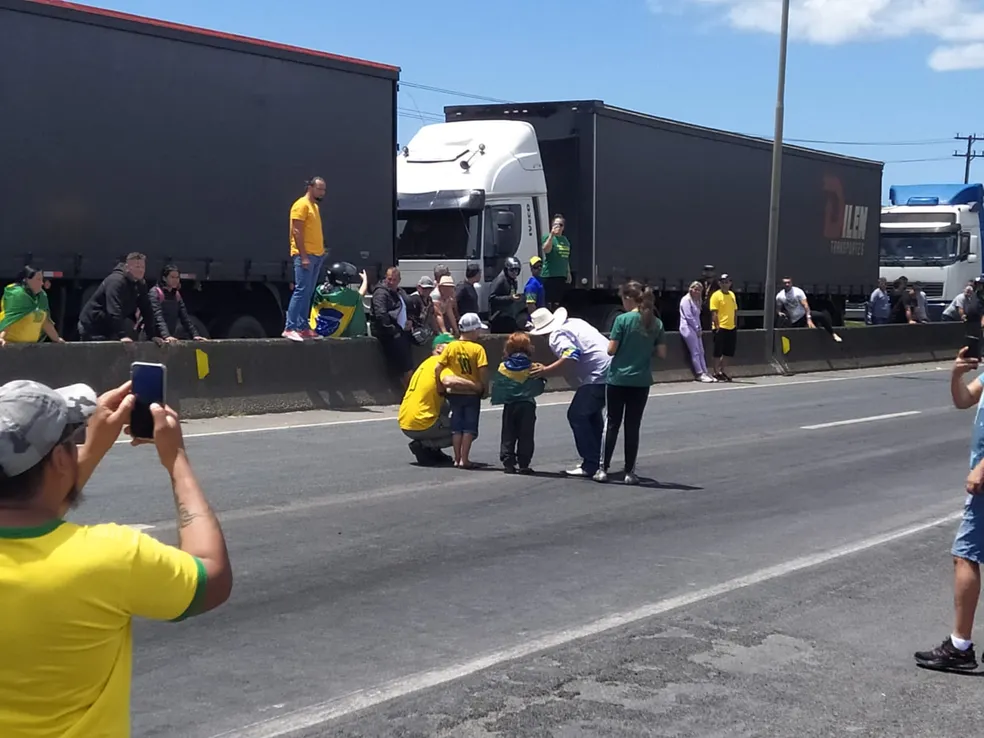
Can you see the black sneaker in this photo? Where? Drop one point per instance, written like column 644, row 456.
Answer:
column 947, row 657
column 526, row 471
column 509, row 469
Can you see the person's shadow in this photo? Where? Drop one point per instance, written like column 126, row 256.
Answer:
column 615, row 479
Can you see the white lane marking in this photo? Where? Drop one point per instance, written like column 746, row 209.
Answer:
column 855, row 421
column 315, row 715
column 671, row 393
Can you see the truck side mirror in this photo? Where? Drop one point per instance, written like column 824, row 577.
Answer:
column 504, row 220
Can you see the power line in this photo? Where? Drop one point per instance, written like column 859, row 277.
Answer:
column 452, row 93
column 970, row 154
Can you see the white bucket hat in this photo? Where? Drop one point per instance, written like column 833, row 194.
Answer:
column 545, row 322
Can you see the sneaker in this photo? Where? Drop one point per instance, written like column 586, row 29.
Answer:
column 577, row 472
column 293, row 336
column 631, row 479
column 601, row 476
column 706, row 379
column 526, row 471
column 509, row 469
column 838, row 338
column 946, row 657
column 309, row 334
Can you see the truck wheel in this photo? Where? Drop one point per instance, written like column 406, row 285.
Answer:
column 609, row 319
column 245, row 326
column 199, row 326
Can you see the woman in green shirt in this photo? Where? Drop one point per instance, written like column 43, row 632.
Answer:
column 635, row 335
column 556, row 274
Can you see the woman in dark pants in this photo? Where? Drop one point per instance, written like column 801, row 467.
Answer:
column 635, row 334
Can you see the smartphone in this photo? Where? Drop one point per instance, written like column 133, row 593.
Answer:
column 973, row 345
column 149, row 386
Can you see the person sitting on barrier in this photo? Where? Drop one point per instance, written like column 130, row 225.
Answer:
column 793, row 310
column 724, row 323
column 70, row 592
column 391, row 326
column 165, row 298
column 466, row 358
column 880, row 304
column 691, row 331
column 425, row 414
column 24, row 311
column 956, row 311
column 111, row 314
column 337, row 310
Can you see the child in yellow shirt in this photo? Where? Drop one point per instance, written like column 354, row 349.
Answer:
column 465, row 358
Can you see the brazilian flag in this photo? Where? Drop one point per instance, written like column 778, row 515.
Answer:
column 337, row 312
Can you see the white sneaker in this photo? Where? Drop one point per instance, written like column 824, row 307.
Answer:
column 631, row 479
column 576, row 472
column 601, row 476
column 705, row 379
column 293, row 336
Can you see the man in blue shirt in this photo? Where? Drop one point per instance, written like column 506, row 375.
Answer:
column 536, row 295
column 880, row 304
column 957, row 650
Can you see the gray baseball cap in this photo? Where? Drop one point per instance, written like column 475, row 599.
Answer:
column 470, row 322
column 35, row 418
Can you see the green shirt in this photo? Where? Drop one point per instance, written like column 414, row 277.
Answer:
column 632, row 363
column 557, row 262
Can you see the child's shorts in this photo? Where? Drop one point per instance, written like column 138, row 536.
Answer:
column 465, row 410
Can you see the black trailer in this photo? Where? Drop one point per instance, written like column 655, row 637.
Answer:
column 126, row 134
column 655, row 200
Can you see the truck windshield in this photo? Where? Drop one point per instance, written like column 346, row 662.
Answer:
column 918, row 249
column 438, row 234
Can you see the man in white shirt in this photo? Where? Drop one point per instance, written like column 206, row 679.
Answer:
column 579, row 346
column 792, row 303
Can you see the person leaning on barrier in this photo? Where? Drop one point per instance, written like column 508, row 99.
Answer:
column 68, row 591
column 425, row 414
column 111, row 312
column 170, row 309
column 24, row 311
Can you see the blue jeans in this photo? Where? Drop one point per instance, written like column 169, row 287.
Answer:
column 305, row 281
column 586, row 415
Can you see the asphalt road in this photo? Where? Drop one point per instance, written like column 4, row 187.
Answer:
column 760, row 587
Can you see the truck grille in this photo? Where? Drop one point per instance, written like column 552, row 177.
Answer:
column 933, row 289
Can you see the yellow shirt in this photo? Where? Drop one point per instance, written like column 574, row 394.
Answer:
column 727, row 309
column 465, row 359
column 314, row 237
column 27, row 329
column 421, row 404
column 68, row 595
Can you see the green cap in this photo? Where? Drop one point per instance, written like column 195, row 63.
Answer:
column 441, row 338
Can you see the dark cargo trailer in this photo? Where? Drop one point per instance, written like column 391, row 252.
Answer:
column 127, row 134
column 655, row 200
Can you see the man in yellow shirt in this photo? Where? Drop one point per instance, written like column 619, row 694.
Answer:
column 68, row 591
column 425, row 415
column 724, row 323
column 307, row 249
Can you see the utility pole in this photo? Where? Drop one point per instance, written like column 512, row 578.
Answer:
column 970, row 154
column 768, row 289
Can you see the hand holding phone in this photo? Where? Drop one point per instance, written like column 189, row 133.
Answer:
column 148, row 387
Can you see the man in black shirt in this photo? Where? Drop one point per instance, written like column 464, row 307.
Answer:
column 466, row 296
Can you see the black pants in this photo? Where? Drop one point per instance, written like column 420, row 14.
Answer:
column 629, row 402
column 820, row 319
column 518, row 426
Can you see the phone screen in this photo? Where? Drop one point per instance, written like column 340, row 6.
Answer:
column 148, row 388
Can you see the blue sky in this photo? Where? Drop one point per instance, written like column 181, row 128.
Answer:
column 859, row 70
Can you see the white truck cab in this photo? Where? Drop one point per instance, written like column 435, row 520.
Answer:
column 469, row 192
column 932, row 234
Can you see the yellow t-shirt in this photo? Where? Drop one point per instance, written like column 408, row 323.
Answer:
column 314, row 237
column 727, row 309
column 421, row 404
column 68, row 595
column 27, row 329
column 465, row 359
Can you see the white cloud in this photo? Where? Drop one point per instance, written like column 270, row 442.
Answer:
column 957, row 24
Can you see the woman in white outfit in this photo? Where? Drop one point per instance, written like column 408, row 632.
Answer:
column 691, row 331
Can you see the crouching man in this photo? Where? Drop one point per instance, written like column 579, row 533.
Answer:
column 425, row 416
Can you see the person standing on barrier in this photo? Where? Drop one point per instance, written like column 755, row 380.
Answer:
column 635, row 335
column 793, row 308
column 724, row 323
column 956, row 652
column 578, row 345
column 691, row 331
column 556, row 262
column 307, row 250
column 69, row 591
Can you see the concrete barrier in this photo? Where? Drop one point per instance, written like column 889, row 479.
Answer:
column 270, row 376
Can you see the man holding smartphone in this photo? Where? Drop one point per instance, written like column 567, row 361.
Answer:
column 69, row 591
column 957, row 650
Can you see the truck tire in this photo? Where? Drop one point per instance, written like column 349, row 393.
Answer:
column 199, row 326
column 245, row 326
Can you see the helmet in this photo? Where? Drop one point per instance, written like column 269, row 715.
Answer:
column 342, row 273
column 513, row 265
